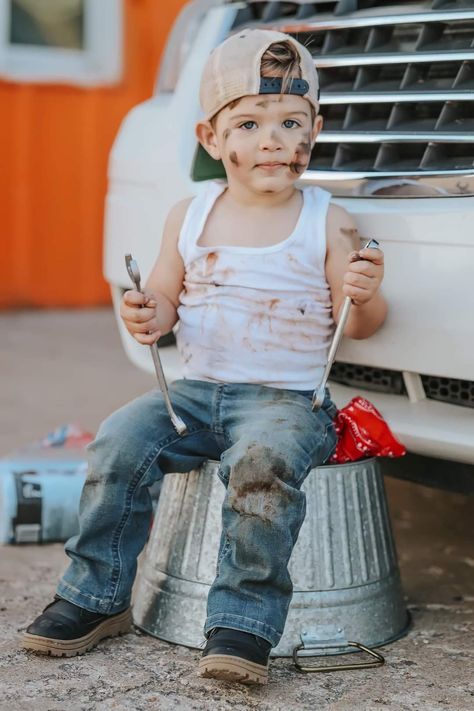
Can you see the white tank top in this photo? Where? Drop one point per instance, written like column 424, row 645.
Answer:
column 256, row 314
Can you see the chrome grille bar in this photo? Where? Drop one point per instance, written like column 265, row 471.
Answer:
column 373, row 20
column 359, row 97
column 394, row 137
column 313, row 177
column 362, row 60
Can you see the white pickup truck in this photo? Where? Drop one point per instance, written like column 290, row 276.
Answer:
column 396, row 150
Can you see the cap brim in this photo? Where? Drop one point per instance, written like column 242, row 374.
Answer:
column 204, row 167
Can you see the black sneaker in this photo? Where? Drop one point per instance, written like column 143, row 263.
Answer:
column 65, row 630
column 233, row 655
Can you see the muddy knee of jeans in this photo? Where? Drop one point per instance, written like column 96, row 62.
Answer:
column 257, row 484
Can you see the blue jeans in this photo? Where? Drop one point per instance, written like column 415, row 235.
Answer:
column 267, row 440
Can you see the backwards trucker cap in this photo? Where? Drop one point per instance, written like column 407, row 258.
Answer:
column 233, row 71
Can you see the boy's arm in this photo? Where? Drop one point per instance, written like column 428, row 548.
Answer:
column 358, row 279
column 162, row 288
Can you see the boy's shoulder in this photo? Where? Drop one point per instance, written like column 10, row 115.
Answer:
column 174, row 220
column 178, row 211
column 341, row 230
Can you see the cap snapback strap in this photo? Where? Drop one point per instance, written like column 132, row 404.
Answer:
column 272, row 85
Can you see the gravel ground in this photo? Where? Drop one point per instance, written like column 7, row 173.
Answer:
column 61, row 367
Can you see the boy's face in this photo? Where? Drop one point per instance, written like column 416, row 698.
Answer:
column 264, row 141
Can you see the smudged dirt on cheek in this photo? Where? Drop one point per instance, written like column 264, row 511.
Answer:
column 234, row 158
column 301, row 158
column 256, row 484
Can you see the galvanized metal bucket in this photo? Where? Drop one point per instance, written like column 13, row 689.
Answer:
column 344, row 566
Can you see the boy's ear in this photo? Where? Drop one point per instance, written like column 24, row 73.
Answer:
column 207, row 138
column 317, row 126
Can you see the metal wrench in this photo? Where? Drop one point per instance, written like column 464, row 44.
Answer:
column 178, row 424
column 319, row 393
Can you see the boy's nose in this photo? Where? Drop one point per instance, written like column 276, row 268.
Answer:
column 270, row 140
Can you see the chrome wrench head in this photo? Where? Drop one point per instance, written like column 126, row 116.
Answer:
column 133, row 271
column 318, row 398
column 178, row 424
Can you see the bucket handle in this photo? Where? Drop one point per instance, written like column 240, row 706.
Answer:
column 338, row 667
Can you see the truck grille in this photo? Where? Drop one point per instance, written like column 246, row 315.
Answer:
column 449, row 390
column 454, row 391
column 379, row 380
column 397, row 81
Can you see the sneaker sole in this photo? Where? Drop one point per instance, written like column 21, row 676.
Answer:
column 116, row 625
column 228, row 668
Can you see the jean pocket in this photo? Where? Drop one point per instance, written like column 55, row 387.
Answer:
column 325, row 447
column 331, row 442
column 330, row 408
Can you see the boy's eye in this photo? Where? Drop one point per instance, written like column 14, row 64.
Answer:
column 292, row 121
column 247, row 124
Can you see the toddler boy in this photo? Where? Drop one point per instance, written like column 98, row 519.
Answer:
column 256, row 271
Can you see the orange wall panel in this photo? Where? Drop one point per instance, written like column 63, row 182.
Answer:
column 54, row 146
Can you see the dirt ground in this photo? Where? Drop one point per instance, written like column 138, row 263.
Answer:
column 61, row 366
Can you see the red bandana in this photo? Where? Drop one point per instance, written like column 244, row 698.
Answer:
column 362, row 432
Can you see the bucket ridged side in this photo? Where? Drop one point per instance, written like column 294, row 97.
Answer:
column 344, row 566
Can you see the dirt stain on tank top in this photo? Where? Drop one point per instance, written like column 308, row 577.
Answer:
column 210, row 263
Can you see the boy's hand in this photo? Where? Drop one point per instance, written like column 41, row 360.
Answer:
column 138, row 312
column 364, row 275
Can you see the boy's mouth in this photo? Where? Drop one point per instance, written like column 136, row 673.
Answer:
column 270, row 165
